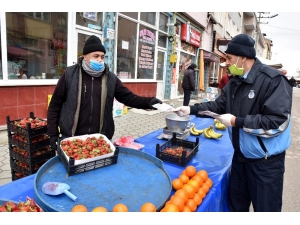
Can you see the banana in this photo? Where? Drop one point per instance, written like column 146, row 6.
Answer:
column 213, row 134
column 219, row 125
column 197, row 131
column 194, row 131
column 206, row 132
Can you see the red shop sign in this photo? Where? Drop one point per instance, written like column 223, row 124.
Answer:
column 190, row 35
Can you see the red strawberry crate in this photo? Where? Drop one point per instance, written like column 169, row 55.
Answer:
column 24, row 168
column 29, row 144
column 39, row 155
column 29, row 127
column 75, row 165
column 16, row 175
column 177, row 151
column 73, row 169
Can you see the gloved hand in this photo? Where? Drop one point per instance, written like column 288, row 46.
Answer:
column 155, row 101
column 183, row 110
column 226, row 119
column 53, row 140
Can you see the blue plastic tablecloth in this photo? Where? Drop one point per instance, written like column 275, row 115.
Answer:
column 214, row 156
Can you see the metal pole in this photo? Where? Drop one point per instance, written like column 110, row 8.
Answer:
column 257, row 26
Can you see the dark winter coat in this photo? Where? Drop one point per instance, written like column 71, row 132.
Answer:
column 82, row 104
column 262, row 105
column 188, row 82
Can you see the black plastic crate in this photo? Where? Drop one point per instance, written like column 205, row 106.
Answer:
column 26, row 131
column 28, row 170
column 84, row 167
column 190, row 150
column 16, row 175
column 39, row 155
column 28, row 146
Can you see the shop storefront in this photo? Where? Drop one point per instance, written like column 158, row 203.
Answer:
column 36, row 48
column 188, row 39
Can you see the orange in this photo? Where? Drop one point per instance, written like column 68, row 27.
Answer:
column 197, row 198
column 171, row 208
column 209, row 182
column 99, row 209
column 184, row 178
column 205, row 187
column 183, row 172
column 190, row 171
column 202, row 192
column 177, row 184
column 191, row 204
column 148, row 207
column 198, row 178
column 179, row 202
column 79, row 208
column 182, row 194
column 203, row 174
column 120, row 207
column 190, row 190
column 195, row 184
column 186, row 209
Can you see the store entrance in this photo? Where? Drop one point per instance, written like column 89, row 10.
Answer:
column 80, row 39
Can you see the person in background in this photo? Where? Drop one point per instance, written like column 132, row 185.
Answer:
column 22, row 74
column 256, row 106
column 82, row 102
column 292, row 82
column 188, row 83
column 224, row 80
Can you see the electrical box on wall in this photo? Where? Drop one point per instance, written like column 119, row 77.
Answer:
column 173, row 58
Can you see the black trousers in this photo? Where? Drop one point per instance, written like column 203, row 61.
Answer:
column 186, row 97
column 258, row 182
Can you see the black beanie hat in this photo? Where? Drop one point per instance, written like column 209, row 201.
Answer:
column 93, row 44
column 241, row 45
column 193, row 66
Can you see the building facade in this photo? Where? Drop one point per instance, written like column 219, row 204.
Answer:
column 148, row 51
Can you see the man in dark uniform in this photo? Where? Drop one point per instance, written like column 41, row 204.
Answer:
column 256, row 107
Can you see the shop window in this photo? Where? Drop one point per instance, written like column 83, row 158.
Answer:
column 146, row 51
column 160, row 65
column 126, row 49
column 39, row 15
column 35, row 47
column 133, row 15
column 148, row 17
column 162, row 40
column 163, row 20
column 91, row 20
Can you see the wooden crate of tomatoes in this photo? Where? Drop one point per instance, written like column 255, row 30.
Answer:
column 87, row 152
column 177, row 151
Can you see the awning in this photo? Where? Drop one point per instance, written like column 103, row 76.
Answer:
column 223, row 42
column 210, row 56
column 17, row 51
column 276, row 65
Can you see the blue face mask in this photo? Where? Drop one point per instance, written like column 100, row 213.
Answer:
column 95, row 65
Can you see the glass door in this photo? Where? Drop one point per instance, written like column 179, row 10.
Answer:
column 80, row 39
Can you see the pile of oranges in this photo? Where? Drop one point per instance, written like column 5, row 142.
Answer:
column 190, row 188
column 120, row 207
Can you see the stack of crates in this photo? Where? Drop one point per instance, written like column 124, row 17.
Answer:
column 29, row 145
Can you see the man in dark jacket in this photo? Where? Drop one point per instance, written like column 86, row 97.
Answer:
column 82, row 102
column 256, row 107
column 188, row 83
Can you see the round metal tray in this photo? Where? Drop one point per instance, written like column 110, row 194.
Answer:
column 137, row 178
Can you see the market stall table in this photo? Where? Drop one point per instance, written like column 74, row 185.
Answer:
column 214, row 156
